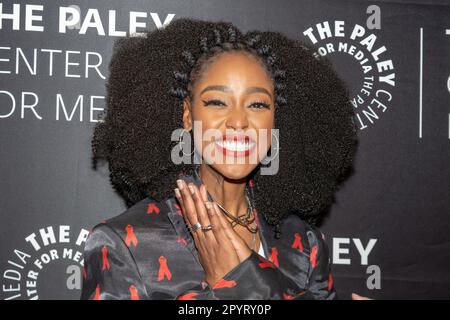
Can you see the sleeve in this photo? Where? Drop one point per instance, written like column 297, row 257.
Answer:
column 320, row 280
column 257, row 278
column 110, row 272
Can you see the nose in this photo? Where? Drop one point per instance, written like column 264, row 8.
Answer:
column 237, row 119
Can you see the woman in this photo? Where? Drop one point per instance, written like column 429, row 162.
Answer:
column 221, row 227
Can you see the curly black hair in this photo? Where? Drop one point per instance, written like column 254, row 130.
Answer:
column 151, row 75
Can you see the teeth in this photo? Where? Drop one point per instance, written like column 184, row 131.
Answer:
column 236, row 145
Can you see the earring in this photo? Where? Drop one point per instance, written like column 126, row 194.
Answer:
column 270, row 165
column 181, row 142
column 275, row 147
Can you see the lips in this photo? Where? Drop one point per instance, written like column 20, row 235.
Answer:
column 236, row 146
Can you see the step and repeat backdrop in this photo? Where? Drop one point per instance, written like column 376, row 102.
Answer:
column 389, row 230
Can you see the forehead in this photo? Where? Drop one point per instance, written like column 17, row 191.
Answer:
column 235, row 69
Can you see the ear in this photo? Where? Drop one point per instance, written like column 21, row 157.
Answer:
column 187, row 114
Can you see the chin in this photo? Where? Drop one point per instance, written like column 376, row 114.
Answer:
column 228, row 164
column 234, row 171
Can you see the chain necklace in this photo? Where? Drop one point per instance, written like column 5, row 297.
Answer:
column 244, row 220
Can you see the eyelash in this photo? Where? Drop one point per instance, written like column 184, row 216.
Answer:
column 217, row 102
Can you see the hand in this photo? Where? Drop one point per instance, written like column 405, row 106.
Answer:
column 220, row 249
column 358, row 297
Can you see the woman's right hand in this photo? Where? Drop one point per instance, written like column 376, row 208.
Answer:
column 220, row 249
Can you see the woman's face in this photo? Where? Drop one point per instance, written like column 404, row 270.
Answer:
column 233, row 101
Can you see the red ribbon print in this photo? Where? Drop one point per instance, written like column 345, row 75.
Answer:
column 181, row 240
column 222, row 283
column 265, row 264
column 298, row 242
column 134, row 293
column 131, row 238
column 178, row 210
column 313, row 256
column 105, row 262
column 188, row 296
column 97, row 293
column 330, row 282
column 163, row 269
column 152, row 208
column 274, row 256
column 288, row 296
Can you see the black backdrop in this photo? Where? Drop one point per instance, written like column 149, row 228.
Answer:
column 388, row 231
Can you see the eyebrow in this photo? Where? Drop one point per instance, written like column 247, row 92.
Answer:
column 227, row 89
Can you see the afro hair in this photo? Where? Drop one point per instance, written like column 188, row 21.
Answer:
column 148, row 78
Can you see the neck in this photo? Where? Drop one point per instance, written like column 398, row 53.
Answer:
column 229, row 193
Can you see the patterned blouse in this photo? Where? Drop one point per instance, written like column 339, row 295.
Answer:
column 147, row 252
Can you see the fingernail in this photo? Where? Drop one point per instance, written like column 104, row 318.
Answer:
column 208, row 205
column 191, row 188
column 180, row 184
column 177, row 192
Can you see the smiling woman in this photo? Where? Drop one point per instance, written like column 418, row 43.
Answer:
column 219, row 228
column 233, row 94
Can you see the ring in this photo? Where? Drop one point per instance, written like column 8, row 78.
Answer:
column 195, row 227
column 207, row 228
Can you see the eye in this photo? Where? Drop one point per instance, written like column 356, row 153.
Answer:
column 260, row 105
column 213, row 102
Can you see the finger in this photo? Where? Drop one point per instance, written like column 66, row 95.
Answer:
column 190, row 217
column 179, row 198
column 219, row 233
column 183, row 209
column 202, row 216
column 190, row 214
column 242, row 250
column 203, row 193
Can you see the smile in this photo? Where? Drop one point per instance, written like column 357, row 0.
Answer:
column 236, row 146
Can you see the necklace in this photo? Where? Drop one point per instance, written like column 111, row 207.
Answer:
column 244, row 220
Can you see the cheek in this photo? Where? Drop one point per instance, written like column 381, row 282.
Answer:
column 202, row 121
column 207, row 118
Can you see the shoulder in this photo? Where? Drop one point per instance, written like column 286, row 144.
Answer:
column 147, row 215
column 294, row 224
column 305, row 235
